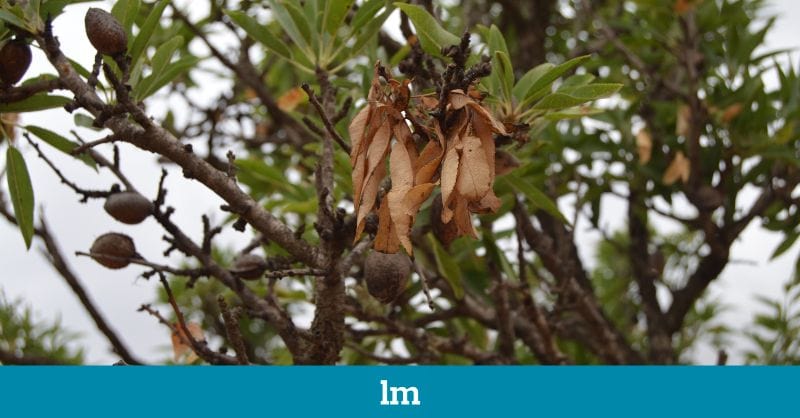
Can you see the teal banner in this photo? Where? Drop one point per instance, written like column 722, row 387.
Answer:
column 399, row 391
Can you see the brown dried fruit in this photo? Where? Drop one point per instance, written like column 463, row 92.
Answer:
column 386, row 275
column 105, row 33
column 113, row 250
column 128, row 207
column 15, row 58
column 249, row 266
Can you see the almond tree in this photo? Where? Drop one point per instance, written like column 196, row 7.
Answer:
column 402, row 186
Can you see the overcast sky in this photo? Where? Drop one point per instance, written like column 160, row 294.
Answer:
column 119, row 293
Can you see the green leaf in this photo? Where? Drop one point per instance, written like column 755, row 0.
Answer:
column 791, row 238
column 260, row 33
column 284, row 18
column 126, row 12
column 506, row 71
column 576, row 80
column 431, row 35
column 529, row 79
column 60, row 143
column 544, row 80
column 85, row 121
column 366, row 12
column 368, row 34
column 303, row 23
column 146, row 31
column 163, row 55
column 591, row 91
column 335, row 12
column 534, row 195
column 12, row 19
column 574, row 96
column 447, row 267
column 21, row 193
column 153, row 84
column 34, row 103
column 53, row 8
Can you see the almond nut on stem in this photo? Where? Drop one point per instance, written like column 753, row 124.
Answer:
column 128, row 207
column 113, row 250
column 386, row 275
column 15, row 58
column 249, row 266
column 105, row 33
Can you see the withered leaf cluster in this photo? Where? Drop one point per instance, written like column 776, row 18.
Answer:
column 455, row 150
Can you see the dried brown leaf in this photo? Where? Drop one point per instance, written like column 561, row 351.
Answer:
column 731, row 112
column 678, row 169
column 357, row 130
column 474, row 176
column 458, row 100
column 448, row 181
column 8, row 122
column 483, row 114
column 367, row 202
column 463, row 219
column 180, row 341
column 288, row 101
column 488, row 204
column 386, row 239
column 428, row 162
column 644, row 146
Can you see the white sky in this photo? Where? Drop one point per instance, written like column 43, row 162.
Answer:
column 119, row 293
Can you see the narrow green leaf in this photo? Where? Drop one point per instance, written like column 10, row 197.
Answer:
column 34, row 103
column 12, row 19
column 543, row 82
column 303, row 24
column 60, row 143
column 284, row 18
column 534, row 195
column 576, row 80
column 335, row 12
column 365, row 13
column 84, row 121
column 448, row 267
column 126, row 12
column 431, row 35
column 20, row 192
column 146, row 31
column 53, row 8
column 365, row 36
column 574, row 96
column 529, row 79
column 791, row 238
column 259, row 33
column 503, row 66
column 164, row 54
column 591, row 91
column 175, row 69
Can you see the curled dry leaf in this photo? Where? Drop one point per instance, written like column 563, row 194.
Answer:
column 180, row 342
column 731, row 112
column 678, row 169
column 291, row 99
column 644, row 146
column 461, row 158
column 8, row 122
